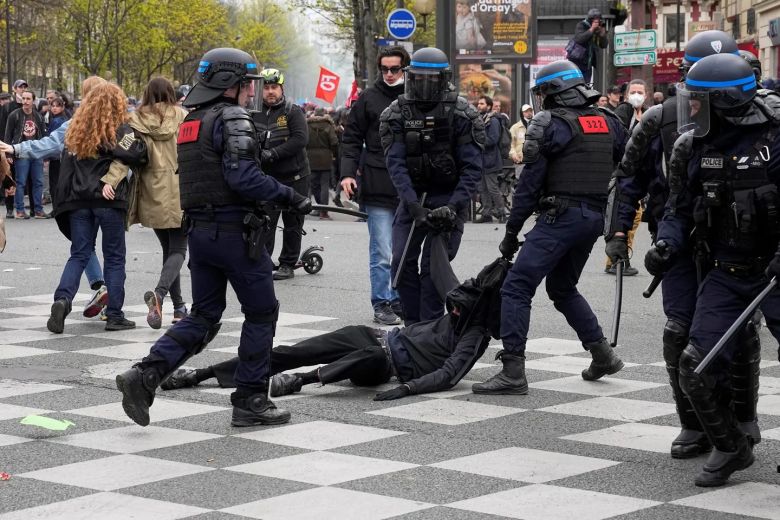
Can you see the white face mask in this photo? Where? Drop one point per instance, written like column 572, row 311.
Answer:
column 636, row 100
column 399, row 81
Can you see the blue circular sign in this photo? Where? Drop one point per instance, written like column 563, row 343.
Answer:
column 401, row 24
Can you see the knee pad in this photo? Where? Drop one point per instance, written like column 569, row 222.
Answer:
column 195, row 333
column 694, row 385
column 675, row 339
column 263, row 317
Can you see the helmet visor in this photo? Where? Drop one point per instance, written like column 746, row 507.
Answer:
column 537, row 100
column 693, row 111
column 424, row 86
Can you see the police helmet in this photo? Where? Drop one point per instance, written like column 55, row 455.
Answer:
column 563, row 82
column 272, row 76
column 754, row 62
column 727, row 79
column 705, row 44
column 428, row 75
column 218, row 70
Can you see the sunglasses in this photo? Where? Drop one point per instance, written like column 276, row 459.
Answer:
column 393, row 70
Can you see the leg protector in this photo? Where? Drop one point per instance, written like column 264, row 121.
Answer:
column 744, row 382
column 510, row 381
column 605, row 362
column 692, row 441
column 732, row 450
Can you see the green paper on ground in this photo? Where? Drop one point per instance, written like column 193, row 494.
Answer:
column 47, row 422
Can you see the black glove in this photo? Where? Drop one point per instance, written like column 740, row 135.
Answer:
column 773, row 269
column 419, row 213
column 659, row 259
column 268, row 156
column 617, row 248
column 300, row 204
column 443, row 218
column 396, row 393
column 509, row 245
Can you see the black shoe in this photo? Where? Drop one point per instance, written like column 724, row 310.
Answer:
column 612, row 269
column 397, row 308
column 484, row 220
column 59, row 310
column 690, row 444
column 285, row 272
column 721, row 464
column 137, row 387
column 510, row 381
column 285, row 384
column 628, row 270
column 256, row 410
column 181, row 378
column 119, row 324
column 9, row 213
column 605, row 362
column 384, row 315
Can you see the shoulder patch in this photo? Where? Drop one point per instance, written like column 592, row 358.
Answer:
column 593, row 124
column 127, row 141
column 188, row 132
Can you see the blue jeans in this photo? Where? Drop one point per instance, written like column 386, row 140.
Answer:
column 380, row 253
column 93, row 271
column 32, row 169
column 84, row 225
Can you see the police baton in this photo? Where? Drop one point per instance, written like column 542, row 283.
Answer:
column 336, row 209
column 406, row 246
column 618, row 302
column 652, row 286
column 747, row 313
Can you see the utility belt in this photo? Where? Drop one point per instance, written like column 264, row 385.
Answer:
column 743, row 269
column 555, row 205
column 253, row 227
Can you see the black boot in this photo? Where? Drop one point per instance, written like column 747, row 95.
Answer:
column 285, row 384
column 692, row 441
column 744, row 383
column 181, row 378
column 137, row 386
column 605, row 362
column 256, row 410
column 510, row 381
column 732, row 450
column 59, row 310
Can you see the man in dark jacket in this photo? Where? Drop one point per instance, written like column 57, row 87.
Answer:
column 283, row 134
column 591, row 34
column 492, row 163
column 25, row 124
column 323, row 144
column 15, row 102
column 377, row 193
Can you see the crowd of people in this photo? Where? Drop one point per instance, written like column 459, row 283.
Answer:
column 698, row 166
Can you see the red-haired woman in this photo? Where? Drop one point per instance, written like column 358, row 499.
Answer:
column 98, row 134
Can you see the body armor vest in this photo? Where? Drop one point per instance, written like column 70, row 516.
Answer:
column 201, row 179
column 271, row 134
column 429, row 140
column 739, row 204
column 585, row 166
column 669, row 132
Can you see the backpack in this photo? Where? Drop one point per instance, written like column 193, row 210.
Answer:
column 576, row 53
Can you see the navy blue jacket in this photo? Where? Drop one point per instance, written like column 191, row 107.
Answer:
column 531, row 182
column 491, row 158
column 649, row 178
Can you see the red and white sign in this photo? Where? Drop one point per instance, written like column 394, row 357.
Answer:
column 327, row 86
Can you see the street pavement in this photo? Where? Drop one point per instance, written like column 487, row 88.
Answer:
column 569, row 449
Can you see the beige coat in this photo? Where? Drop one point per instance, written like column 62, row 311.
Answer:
column 517, row 131
column 155, row 201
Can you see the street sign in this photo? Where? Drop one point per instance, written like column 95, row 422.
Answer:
column 634, row 59
column 401, row 24
column 635, row 41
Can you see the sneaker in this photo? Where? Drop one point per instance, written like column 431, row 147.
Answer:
column 285, row 272
column 9, row 213
column 40, row 215
column 285, row 384
column 611, row 269
column 628, row 270
column 397, row 308
column 181, row 378
column 59, row 310
column 22, row 215
column 154, row 316
column 384, row 315
column 97, row 303
column 179, row 313
column 119, row 324
column 103, row 316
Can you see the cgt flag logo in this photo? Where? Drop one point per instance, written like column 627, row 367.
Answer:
column 327, row 86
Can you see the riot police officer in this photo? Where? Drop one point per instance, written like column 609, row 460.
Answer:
column 568, row 131
column 221, row 184
column 642, row 172
column 432, row 139
column 723, row 176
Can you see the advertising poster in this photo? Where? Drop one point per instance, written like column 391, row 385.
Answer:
column 494, row 28
column 487, row 79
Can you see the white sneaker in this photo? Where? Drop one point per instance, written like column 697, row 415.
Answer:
column 97, row 303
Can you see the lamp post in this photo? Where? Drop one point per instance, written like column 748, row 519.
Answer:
column 424, row 8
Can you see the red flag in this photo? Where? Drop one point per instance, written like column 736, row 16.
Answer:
column 327, row 86
column 353, row 95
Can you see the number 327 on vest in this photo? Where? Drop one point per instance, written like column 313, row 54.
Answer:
column 593, row 125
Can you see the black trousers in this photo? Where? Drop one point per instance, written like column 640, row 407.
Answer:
column 353, row 353
column 293, row 228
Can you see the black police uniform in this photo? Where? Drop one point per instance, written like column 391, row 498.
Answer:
column 432, row 148
column 724, row 186
column 571, row 203
column 219, row 182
